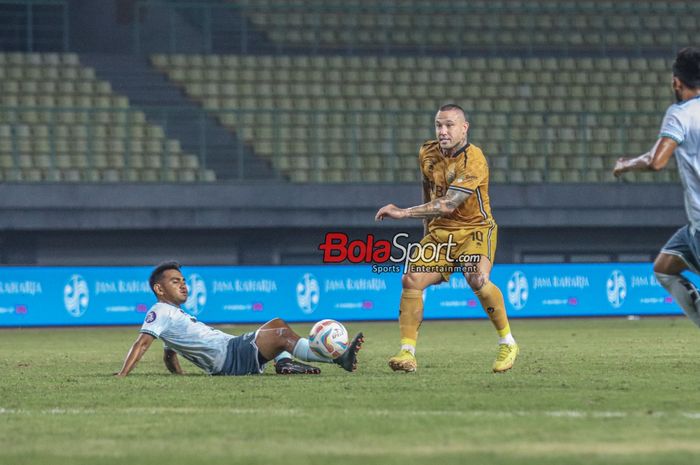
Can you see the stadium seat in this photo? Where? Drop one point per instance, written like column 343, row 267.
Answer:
column 60, row 123
column 493, row 25
column 556, row 119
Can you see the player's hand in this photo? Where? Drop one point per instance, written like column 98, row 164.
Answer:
column 620, row 166
column 390, row 211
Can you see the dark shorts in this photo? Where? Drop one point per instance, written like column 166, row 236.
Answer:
column 243, row 357
column 686, row 246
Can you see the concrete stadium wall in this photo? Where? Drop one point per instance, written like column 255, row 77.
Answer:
column 117, row 224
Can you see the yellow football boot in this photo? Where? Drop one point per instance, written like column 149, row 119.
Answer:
column 506, row 357
column 403, row 361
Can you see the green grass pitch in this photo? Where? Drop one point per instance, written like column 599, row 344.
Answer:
column 598, row 391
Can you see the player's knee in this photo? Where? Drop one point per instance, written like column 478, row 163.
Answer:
column 276, row 327
column 275, row 323
column 411, row 281
column 669, row 264
column 275, row 333
column 476, row 280
column 659, row 265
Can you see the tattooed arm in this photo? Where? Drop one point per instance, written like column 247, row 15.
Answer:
column 426, row 199
column 442, row 206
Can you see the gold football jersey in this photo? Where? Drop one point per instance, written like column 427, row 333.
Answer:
column 465, row 171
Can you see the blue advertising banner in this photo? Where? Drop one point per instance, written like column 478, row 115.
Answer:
column 560, row 290
column 63, row 296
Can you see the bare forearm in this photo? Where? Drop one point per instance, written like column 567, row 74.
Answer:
column 172, row 363
column 429, row 210
column 132, row 358
column 654, row 160
column 426, row 199
column 640, row 163
column 438, row 207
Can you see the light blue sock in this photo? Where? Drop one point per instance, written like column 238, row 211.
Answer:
column 302, row 351
column 282, row 355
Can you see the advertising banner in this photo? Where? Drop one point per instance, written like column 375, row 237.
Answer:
column 66, row 296
column 560, row 290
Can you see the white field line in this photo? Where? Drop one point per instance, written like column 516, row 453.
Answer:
column 572, row 414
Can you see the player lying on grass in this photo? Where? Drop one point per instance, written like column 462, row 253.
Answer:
column 214, row 351
column 679, row 136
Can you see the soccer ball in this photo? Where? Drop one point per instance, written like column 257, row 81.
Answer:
column 328, row 338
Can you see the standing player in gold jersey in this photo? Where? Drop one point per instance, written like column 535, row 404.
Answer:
column 457, row 210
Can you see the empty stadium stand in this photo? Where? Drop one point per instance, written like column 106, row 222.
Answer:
column 513, row 26
column 264, row 92
column 58, row 122
column 336, row 91
column 362, row 118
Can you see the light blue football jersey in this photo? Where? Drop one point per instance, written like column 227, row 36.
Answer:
column 682, row 124
column 202, row 345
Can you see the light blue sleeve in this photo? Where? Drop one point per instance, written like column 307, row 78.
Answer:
column 157, row 320
column 672, row 125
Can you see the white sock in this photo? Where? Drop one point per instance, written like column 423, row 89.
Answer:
column 409, row 348
column 302, row 351
column 507, row 339
column 685, row 293
column 282, row 355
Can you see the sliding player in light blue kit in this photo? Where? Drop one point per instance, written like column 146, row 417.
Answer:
column 214, row 351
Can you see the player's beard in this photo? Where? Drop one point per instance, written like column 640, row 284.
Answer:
column 677, row 94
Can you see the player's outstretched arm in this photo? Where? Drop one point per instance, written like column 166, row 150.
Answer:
column 426, row 199
column 172, row 363
column 438, row 207
column 654, row 160
column 137, row 350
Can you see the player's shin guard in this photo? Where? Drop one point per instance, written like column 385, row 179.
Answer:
column 685, row 293
column 410, row 317
column 491, row 300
